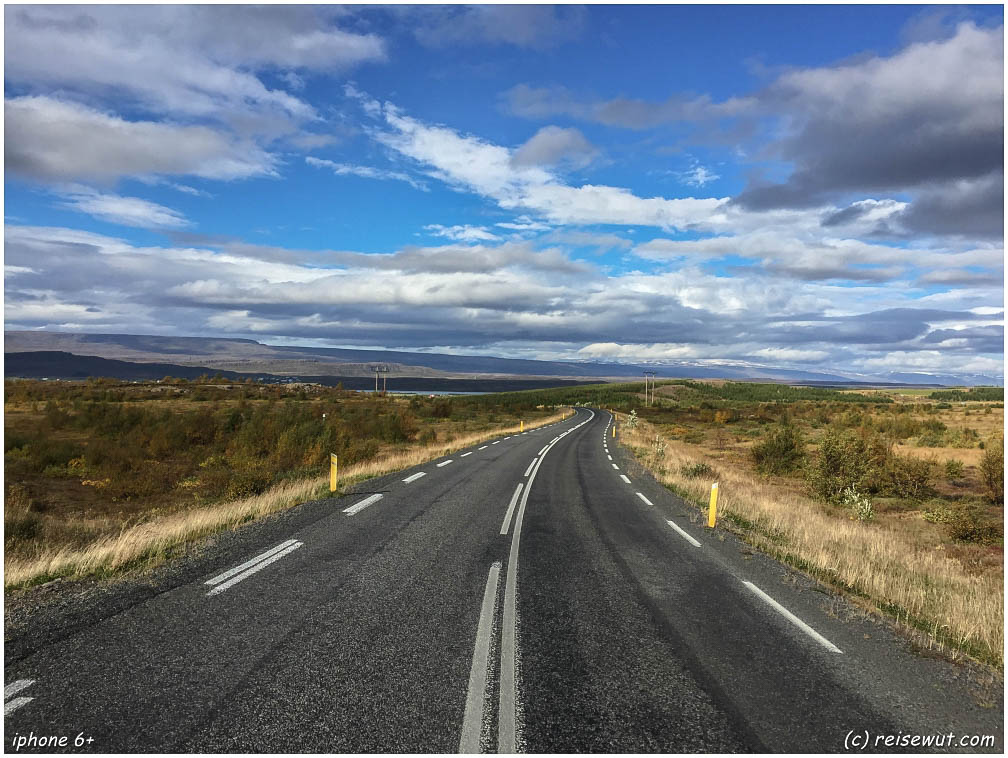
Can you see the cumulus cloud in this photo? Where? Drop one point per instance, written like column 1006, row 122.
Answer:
column 881, row 125
column 190, row 77
column 52, row 140
column 872, row 125
column 553, row 146
column 186, row 59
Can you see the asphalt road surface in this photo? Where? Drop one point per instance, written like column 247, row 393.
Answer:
column 535, row 593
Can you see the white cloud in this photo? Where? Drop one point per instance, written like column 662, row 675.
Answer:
column 54, row 140
column 186, row 59
column 470, row 163
column 366, row 172
column 462, row 232
column 128, row 211
column 697, row 176
column 523, row 224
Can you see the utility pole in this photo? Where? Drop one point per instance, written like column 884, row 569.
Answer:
column 383, row 370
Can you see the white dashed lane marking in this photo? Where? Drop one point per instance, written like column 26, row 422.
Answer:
column 792, row 618
column 685, row 536
column 358, row 507
column 414, row 477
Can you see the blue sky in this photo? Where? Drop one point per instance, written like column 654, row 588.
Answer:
column 792, row 186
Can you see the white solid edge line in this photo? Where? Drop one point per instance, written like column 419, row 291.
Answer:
column 14, row 704
column 15, row 687
column 793, row 619
column 465, row 454
column 444, row 463
column 641, row 496
column 414, row 477
column 507, row 726
column 507, row 516
column 685, row 536
column 258, row 567
column 357, row 507
column 529, row 469
column 624, row 478
column 472, row 721
column 543, row 450
column 238, row 569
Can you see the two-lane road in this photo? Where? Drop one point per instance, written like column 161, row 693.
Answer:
column 531, row 593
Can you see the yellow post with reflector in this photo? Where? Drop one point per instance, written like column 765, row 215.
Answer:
column 333, row 471
column 712, row 513
column 522, row 428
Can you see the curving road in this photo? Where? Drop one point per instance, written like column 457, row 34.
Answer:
column 535, row 593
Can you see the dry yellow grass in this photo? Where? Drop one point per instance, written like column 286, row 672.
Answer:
column 969, row 456
column 150, row 542
column 894, row 570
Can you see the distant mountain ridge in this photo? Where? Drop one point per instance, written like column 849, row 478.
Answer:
column 54, row 364
column 248, row 356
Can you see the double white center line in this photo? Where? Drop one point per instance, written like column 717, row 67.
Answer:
column 12, row 689
column 231, row 577
column 472, row 721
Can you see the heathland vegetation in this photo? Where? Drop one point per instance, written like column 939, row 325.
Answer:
column 894, row 497
column 103, row 475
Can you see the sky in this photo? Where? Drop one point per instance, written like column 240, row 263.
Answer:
column 809, row 187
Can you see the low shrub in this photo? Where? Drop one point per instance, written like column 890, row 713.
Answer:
column 954, row 469
column 971, row 524
column 698, row 471
column 992, row 471
column 841, row 463
column 782, row 451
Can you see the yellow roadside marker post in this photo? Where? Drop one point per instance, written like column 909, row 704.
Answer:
column 712, row 514
column 522, row 422
column 333, row 471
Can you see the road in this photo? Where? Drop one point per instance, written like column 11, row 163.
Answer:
column 534, row 593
